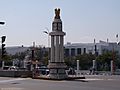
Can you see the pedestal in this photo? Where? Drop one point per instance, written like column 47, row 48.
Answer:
column 57, row 70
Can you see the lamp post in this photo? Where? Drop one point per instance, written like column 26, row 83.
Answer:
column 113, row 60
column 47, row 32
column 117, row 38
column 96, row 54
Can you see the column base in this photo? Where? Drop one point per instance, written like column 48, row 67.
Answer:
column 57, row 70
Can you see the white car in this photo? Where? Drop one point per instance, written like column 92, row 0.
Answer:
column 13, row 68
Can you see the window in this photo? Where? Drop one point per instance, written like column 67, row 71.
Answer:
column 72, row 51
column 78, row 51
column 84, row 50
column 66, row 52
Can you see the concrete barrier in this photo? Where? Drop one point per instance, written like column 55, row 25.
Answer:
column 20, row 73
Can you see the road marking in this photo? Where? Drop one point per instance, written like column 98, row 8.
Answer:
column 11, row 80
column 95, row 79
column 11, row 88
column 92, row 79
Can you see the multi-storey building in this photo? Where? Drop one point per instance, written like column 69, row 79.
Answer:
column 74, row 49
column 16, row 49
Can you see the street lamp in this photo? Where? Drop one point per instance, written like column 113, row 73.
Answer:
column 117, row 38
column 47, row 32
column 94, row 68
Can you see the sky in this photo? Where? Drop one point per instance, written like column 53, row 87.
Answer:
column 83, row 20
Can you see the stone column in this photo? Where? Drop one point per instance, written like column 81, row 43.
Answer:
column 77, row 65
column 13, row 63
column 94, row 64
column 57, row 49
column 61, row 49
column 3, row 64
column 52, row 50
column 111, row 66
column 24, row 64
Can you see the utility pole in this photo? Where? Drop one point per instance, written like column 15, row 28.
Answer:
column 117, row 38
column 96, row 54
column 113, row 61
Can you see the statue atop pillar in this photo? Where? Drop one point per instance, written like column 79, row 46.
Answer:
column 57, row 13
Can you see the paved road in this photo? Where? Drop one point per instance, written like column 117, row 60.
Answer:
column 91, row 83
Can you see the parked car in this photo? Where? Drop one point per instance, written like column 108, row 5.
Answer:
column 117, row 72
column 43, row 70
column 13, row 68
column 6, row 67
column 10, row 68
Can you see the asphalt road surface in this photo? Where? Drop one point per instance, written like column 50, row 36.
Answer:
column 90, row 83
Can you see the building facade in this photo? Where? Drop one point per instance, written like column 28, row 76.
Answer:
column 74, row 49
column 16, row 49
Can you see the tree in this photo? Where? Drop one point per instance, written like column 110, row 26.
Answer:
column 20, row 55
column 40, row 54
column 85, row 61
column 104, row 60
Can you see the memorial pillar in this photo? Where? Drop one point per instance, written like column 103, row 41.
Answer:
column 57, row 66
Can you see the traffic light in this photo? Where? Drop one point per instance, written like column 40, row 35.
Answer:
column 3, row 46
column 3, row 50
column 3, row 39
